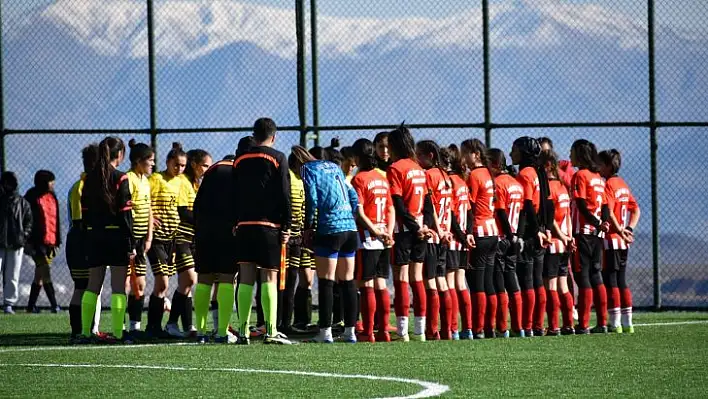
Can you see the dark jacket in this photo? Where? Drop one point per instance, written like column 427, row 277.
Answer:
column 15, row 221
column 36, row 239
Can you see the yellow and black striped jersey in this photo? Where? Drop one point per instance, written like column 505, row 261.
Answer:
column 164, row 199
column 187, row 194
column 140, row 193
column 74, row 201
column 297, row 203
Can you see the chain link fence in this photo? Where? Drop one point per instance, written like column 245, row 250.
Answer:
column 74, row 71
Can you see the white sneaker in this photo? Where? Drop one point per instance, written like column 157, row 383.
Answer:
column 277, row 339
column 174, row 331
column 324, row 336
column 349, row 335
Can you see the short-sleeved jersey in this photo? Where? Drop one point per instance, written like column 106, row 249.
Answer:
column 297, row 203
column 590, row 187
column 214, row 214
column 328, row 193
column 407, row 179
column 622, row 204
column 481, row 188
column 164, row 199
column 528, row 178
column 440, row 189
column 118, row 215
column 187, row 195
column 140, row 193
column 375, row 199
column 460, row 206
column 510, row 198
column 561, row 204
column 74, row 201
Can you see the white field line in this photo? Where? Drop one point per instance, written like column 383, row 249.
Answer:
column 673, row 323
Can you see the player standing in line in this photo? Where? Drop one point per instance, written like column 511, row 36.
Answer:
column 383, row 157
column 349, row 165
column 510, row 196
column 376, row 222
column 142, row 161
column 76, row 247
column 590, row 220
column 262, row 204
column 198, row 162
column 165, row 200
column 107, row 214
column 534, row 228
column 439, row 188
column 624, row 217
column 480, row 277
column 408, row 191
column 458, row 255
column 555, row 262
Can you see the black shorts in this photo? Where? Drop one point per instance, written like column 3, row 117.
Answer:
column 76, row 257
column 484, row 253
column 184, row 258
column 215, row 255
column 372, row 264
column 140, row 260
column 161, row 259
column 338, row 245
column 614, row 260
column 109, row 247
column 43, row 255
column 435, row 261
column 260, row 245
column 453, row 260
column 298, row 255
column 408, row 248
column 589, row 254
column 506, row 256
column 555, row 265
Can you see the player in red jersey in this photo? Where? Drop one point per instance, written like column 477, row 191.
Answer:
column 590, row 220
column 534, row 228
column 458, row 253
column 624, row 217
column 408, row 191
column 555, row 262
column 480, row 277
column 439, row 187
column 509, row 195
column 376, row 222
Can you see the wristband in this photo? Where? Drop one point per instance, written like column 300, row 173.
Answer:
column 631, row 230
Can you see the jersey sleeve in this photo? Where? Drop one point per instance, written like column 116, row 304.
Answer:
column 353, row 198
column 183, row 196
column 580, row 186
column 309, row 181
column 527, row 183
column 632, row 205
column 358, row 185
column 473, row 186
column 395, row 182
column 502, row 197
column 609, row 195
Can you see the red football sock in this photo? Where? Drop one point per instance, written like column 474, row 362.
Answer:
column 515, row 311
column 454, row 310
column 502, row 311
column 613, row 300
column 584, row 307
column 600, row 295
column 445, row 314
column 432, row 322
column 367, row 303
column 553, row 308
column 479, row 306
column 529, row 303
column 383, row 309
column 539, row 311
column 420, row 303
column 567, row 309
column 491, row 312
column 626, row 298
column 465, row 302
column 402, row 299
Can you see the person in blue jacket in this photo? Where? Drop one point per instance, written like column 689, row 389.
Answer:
column 330, row 203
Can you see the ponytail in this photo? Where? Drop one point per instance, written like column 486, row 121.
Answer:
column 109, row 149
column 365, row 151
column 176, row 151
column 431, row 147
column 139, row 152
column 530, row 150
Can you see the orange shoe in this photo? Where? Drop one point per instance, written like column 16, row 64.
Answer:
column 365, row 338
column 383, row 336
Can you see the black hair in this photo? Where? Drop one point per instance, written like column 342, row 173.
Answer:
column 42, row 179
column 401, row 143
column 333, row 143
column 89, row 156
column 194, row 156
column 366, row 152
column 263, row 129
column 139, row 152
column 476, row 146
column 431, row 147
column 298, row 157
column 550, row 157
column 319, row 153
column 455, row 160
column 244, row 145
column 229, row 157
column 530, row 151
column 380, row 136
column 108, row 151
column 545, row 140
column 176, row 151
column 586, row 155
column 347, row 152
column 611, row 158
column 496, row 157
column 8, row 182
column 333, row 155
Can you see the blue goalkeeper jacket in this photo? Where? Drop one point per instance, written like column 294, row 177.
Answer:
column 329, row 195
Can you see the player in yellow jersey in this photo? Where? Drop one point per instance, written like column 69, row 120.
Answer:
column 164, row 198
column 198, row 161
column 142, row 161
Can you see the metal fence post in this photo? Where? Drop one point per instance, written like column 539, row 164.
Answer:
column 2, row 100
column 301, row 70
column 315, row 92
column 653, row 149
column 487, row 85
column 151, row 75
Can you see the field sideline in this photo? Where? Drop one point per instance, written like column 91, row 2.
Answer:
column 668, row 356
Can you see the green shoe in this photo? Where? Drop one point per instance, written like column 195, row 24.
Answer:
column 616, row 330
column 418, row 337
column 629, row 330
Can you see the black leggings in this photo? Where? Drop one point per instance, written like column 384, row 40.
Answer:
column 480, row 276
column 588, row 261
column 614, row 271
column 529, row 265
column 505, row 278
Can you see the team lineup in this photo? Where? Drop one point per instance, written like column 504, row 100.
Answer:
column 485, row 249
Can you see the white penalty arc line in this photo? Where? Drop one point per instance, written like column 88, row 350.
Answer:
column 672, row 323
column 431, row 389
